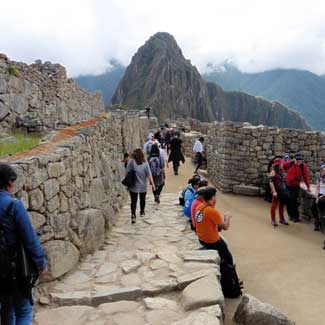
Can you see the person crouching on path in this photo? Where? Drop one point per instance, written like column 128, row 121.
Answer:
column 157, row 168
column 16, row 292
column 139, row 164
column 297, row 171
column 279, row 191
column 207, row 220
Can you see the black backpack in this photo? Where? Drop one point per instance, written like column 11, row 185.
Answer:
column 8, row 255
column 230, row 284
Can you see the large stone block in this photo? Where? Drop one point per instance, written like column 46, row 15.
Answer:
column 62, row 257
column 246, row 190
column 252, row 311
column 96, row 193
column 91, row 229
column 51, row 188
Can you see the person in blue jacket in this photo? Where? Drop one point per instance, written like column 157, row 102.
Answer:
column 16, row 294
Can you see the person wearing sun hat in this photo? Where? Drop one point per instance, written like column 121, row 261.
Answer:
column 297, row 172
column 278, row 189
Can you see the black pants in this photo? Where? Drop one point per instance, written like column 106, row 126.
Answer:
column 318, row 211
column 293, row 206
column 134, row 200
column 175, row 167
column 222, row 249
column 158, row 190
column 199, row 159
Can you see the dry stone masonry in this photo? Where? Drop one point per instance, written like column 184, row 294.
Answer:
column 74, row 191
column 41, row 97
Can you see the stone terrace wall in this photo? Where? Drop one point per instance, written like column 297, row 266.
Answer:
column 238, row 154
column 41, row 97
column 72, row 188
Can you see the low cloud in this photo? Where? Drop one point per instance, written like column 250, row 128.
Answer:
column 84, row 35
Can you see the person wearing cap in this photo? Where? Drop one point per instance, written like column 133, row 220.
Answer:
column 318, row 208
column 279, row 192
column 297, row 172
column 207, row 220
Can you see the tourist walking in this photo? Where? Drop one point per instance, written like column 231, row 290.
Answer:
column 207, row 220
column 140, row 166
column 199, row 154
column 16, row 229
column 148, row 144
column 318, row 208
column 297, row 172
column 157, row 168
column 280, row 194
column 176, row 155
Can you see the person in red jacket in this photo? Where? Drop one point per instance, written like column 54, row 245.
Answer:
column 297, row 172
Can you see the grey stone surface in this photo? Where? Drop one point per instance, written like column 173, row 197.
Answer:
column 252, row 311
column 203, row 292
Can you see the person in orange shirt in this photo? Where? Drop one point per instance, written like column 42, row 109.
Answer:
column 207, row 220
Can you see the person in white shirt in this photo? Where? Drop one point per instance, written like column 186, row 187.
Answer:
column 199, row 153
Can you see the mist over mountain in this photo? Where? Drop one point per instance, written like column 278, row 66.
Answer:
column 106, row 83
column 301, row 90
column 161, row 77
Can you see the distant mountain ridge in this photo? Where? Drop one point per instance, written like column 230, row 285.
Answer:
column 105, row 82
column 161, row 77
column 301, row 90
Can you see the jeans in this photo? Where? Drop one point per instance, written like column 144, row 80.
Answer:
column 17, row 311
column 134, row 200
column 200, row 159
column 293, row 205
column 158, row 190
column 222, row 249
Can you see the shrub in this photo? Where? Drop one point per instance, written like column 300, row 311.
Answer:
column 13, row 70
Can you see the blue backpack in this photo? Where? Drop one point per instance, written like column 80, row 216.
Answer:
column 188, row 205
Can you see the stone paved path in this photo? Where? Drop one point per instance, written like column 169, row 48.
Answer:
column 148, row 273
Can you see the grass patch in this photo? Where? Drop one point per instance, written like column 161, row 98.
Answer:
column 24, row 143
column 13, row 70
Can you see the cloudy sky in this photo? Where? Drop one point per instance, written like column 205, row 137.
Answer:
column 84, row 35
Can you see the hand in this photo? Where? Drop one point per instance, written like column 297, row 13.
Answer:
column 275, row 194
column 153, row 187
column 46, row 269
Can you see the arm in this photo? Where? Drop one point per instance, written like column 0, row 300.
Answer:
column 273, row 190
column 28, row 236
column 306, row 176
column 317, row 190
column 226, row 222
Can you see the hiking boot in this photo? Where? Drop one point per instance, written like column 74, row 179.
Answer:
column 274, row 223
column 284, row 222
column 133, row 217
column 157, row 199
column 142, row 214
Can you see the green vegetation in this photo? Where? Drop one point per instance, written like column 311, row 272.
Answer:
column 13, row 70
column 23, row 143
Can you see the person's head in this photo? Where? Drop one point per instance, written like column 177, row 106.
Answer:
column 201, row 191
column 138, row 156
column 195, row 183
column 298, row 158
column 154, row 150
column 203, row 183
column 8, row 177
column 209, row 195
column 277, row 165
column 150, row 136
column 126, row 156
column 201, row 139
column 286, row 157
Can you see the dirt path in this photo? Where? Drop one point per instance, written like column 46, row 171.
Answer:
column 283, row 266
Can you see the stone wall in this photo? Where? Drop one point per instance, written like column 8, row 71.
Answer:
column 238, row 154
column 41, row 97
column 72, row 188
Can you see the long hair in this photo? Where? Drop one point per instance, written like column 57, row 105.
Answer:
column 138, row 156
column 154, row 151
column 278, row 168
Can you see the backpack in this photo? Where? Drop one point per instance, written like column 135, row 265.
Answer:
column 182, row 195
column 154, row 164
column 230, row 284
column 148, row 148
column 188, row 205
column 7, row 253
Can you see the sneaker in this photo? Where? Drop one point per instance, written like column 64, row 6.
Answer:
column 274, row 223
column 284, row 222
column 133, row 217
column 142, row 214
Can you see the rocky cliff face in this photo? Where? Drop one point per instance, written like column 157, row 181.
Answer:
column 40, row 96
column 161, row 77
